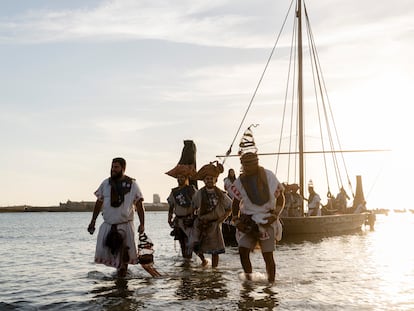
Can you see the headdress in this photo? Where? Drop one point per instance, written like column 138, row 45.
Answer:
column 186, row 170
column 248, row 149
column 247, row 144
column 249, row 159
column 253, row 178
column 212, row 169
column 187, row 164
column 188, row 155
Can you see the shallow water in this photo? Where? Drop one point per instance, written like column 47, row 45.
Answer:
column 47, row 264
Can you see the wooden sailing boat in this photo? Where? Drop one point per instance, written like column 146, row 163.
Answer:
column 331, row 221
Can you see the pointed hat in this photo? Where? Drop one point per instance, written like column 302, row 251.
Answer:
column 247, row 144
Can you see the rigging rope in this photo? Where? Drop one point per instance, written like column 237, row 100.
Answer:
column 324, row 94
column 314, row 67
column 258, row 84
column 324, row 109
column 292, row 52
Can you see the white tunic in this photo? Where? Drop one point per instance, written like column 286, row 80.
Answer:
column 123, row 216
column 246, row 206
column 259, row 213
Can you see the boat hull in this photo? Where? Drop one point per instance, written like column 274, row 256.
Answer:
column 329, row 224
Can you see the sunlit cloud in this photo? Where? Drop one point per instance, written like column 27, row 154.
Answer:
column 193, row 22
column 131, row 20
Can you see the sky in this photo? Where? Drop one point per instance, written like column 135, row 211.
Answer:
column 82, row 82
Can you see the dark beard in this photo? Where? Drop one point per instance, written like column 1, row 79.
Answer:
column 116, row 176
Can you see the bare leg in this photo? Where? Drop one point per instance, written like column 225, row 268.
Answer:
column 245, row 260
column 122, row 271
column 124, row 257
column 184, row 250
column 270, row 266
column 203, row 259
column 214, row 260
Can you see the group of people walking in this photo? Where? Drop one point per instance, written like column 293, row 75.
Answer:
column 251, row 202
column 254, row 201
column 196, row 216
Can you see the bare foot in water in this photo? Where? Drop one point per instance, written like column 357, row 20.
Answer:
column 204, row 263
column 122, row 272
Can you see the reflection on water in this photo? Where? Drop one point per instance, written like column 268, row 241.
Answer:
column 53, row 269
column 115, row 294
column 202, row 286
column 116, row 288
column 253, row 297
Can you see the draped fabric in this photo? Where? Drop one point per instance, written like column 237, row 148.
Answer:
column 256, row 187
column 123, row 217
column 119, row 187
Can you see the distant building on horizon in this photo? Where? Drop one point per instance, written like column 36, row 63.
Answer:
column 156, row 198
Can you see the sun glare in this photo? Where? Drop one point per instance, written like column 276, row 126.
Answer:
column 393, row 256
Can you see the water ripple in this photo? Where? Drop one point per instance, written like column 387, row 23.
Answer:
column 47, row 264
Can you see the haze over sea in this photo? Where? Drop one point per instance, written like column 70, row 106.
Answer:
column 47, row 264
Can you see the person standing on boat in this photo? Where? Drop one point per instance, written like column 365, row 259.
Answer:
column 256, row 193
column 118, row 196
column 180, row 206
column 341, row 201
column 314, row 201
column 293, row 201
column 212, row 206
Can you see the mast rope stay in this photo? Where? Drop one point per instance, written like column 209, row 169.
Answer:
column 258, row 84
column 292, row 60
column 327, row 110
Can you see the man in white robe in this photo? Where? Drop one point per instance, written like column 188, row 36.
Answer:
column 117, row 197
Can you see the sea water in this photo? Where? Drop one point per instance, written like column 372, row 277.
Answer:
column 46, row 263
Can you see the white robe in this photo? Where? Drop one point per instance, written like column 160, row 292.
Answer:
column 259, row 212
column 123, row 216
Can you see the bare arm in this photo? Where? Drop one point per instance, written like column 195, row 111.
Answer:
column 96, row 211
column 141, row 215
column 280, row 204
column 235, row 209
column 170, row 214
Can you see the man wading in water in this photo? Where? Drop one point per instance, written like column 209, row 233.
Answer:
column 255, row 195
column 117, row 196
column 212, row 206
column 179, row 202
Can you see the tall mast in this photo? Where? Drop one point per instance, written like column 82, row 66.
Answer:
column 300, row 104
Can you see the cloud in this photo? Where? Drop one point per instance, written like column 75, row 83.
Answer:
column 207, row 23
column 196, row 22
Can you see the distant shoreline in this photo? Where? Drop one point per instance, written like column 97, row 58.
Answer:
column 69, row 206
